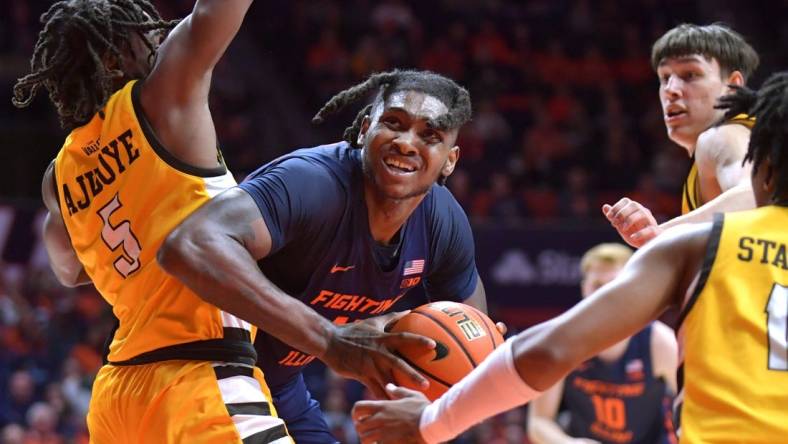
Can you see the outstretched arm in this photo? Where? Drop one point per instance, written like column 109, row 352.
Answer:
column 215, row 252
column 174, row 96
column 62, row 257
column 539, row 357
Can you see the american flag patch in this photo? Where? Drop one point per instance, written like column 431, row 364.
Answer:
column 634, row 369
column 413, row 267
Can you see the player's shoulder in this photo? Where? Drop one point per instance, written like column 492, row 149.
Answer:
column 722, row 140
column 445, row 217
column 441, row 202
column 333, row 163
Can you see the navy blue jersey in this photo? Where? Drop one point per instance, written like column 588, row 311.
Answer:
column 621, row 401
column 323, row 253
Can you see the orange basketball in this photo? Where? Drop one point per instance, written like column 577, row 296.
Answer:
column 464, row 336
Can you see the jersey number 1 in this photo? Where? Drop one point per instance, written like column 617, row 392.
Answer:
column 777, row 326
column 115, row 236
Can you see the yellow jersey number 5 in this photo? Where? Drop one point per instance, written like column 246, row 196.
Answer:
column 120, row 235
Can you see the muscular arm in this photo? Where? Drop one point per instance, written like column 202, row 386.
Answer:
column 215, row 252
column 724, row 180
column 62, row 257
column 542, row 428
column 174, row 96
column 664, row 354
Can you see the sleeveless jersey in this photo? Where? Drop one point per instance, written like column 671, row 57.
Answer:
column 621, row 401
column 326, row 257
column 690, row 196
column 733, row 378
column 120, row 194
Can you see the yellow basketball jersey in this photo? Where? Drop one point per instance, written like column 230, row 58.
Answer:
column 733, row 379
column 690, row 196
column 120, row 194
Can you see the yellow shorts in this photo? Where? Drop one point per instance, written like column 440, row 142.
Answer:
column 183, row 402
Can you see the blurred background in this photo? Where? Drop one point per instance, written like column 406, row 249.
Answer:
column 566, row 118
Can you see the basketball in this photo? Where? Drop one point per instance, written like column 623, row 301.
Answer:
column 464, row 336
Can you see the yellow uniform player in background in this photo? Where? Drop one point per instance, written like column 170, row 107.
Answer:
column 140, row 157
column 696, row 65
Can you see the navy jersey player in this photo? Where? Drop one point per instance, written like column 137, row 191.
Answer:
column 622, row 395
column 326, row 236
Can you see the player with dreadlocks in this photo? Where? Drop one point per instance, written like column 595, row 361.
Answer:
column 141, row 155
column 71, row 57
column 329, row 235
column 730, row 279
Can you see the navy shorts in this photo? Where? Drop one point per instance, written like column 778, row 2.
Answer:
column 301, row 413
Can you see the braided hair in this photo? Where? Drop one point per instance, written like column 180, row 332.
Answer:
column 455, row 97
column 769, row 137
column 68, row 56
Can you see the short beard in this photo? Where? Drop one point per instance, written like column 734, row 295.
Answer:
column 369, row 173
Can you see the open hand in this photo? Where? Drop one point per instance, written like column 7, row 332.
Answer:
column 395, row 421
column 634, row 222
column 362, row 351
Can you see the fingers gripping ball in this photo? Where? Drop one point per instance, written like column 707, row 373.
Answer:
column 464, row 336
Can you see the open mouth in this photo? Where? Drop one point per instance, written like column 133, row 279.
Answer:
column 398, row 166
column 674, row 113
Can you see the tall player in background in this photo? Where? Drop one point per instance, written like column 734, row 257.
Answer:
column 623, row 395
column 326, row 236
column 696, row 65
column 140, row 157
column 729, row 277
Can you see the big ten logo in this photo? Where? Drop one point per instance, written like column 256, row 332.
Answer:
column 410, row 282
column 469, row 327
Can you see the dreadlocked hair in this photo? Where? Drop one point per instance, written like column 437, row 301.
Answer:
column 68, row 56
column 455, row 97
column 769, row 136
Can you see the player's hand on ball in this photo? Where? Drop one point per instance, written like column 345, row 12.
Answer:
column 634, row 222
column 362, row 351
column 395, row 421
